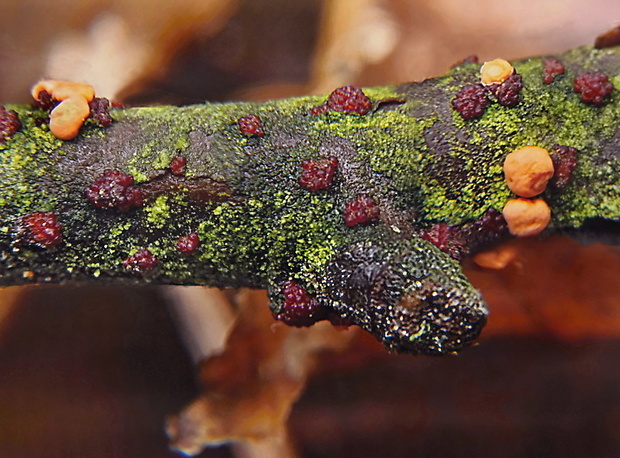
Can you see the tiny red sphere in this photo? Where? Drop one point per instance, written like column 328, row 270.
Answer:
column 298, row 308
column 114, row 189
column 448, row 239
column 319, row 110
column 488, row 228
column 349, row 99
column 439, row 235
column 318, row 175
column 44, row 101
column 177, row 165
column 188, row 244
column 471, row 101
column 471, row 59
column 141, row 261
column 608, row 39
column 493, row 221
column 43, row 229
column 361, row 210
column 100, row 111
column 337, row 319
column 507, row 93
column 251, row 125
column 9, row 123
column 552, row 68
column 564, row 162
column 593, row 87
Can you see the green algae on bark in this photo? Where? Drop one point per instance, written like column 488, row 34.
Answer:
column 422, row 164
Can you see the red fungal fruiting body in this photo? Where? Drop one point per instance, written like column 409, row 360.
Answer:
column 114, row 189
column 464, row 239
column 564, row 162
column 593, row 87
column 552, row 68
column 9, row 123
column 177, row 165
column 141, row 261
column 346, row 99
column 439, row 235
column 337, row 319
column 492, row 221
column 99, row 111
column 43, row 229
column 319, row 110
column 44, row 101
column 298, row 308
column 608, row 39
column 318, row 174
column 361, row 210
column 471, row 101
column 189, row 243
column 507, row 93
column 349, row 99
column 471, row 59
column 251, row 125
column 447, row 238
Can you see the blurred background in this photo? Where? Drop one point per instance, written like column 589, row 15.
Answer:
column 93, row 371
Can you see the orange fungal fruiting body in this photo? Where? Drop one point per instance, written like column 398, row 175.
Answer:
column 527, row 170
column 497, row 258
column 495, row 71
column 69, row 115
column 526, row 217
column 61, row 90
column 67, row 118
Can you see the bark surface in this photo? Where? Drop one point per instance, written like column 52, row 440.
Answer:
column 428, row 170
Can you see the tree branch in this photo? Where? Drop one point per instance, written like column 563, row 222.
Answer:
column 409, row 172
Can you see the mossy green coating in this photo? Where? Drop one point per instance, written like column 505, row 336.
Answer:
column 158, row 213
column 417, row 158
column 25, row 158
column 547, row 115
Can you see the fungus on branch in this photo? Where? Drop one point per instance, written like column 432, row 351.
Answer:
column 528, row 170
column 365, row 205
column 526, row 217
column 495, row 72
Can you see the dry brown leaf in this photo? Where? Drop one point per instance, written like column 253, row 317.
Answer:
column 9, row 299
column 249, row 389
column 555, row 286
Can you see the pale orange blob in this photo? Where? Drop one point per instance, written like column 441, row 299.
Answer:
column 69, row 115
column 526, row 217
column 67, row 89
column 43, row 85
column 528, row 170
column 496, row 259
column 495, row 71
column 67, row 118
column 61, row 90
